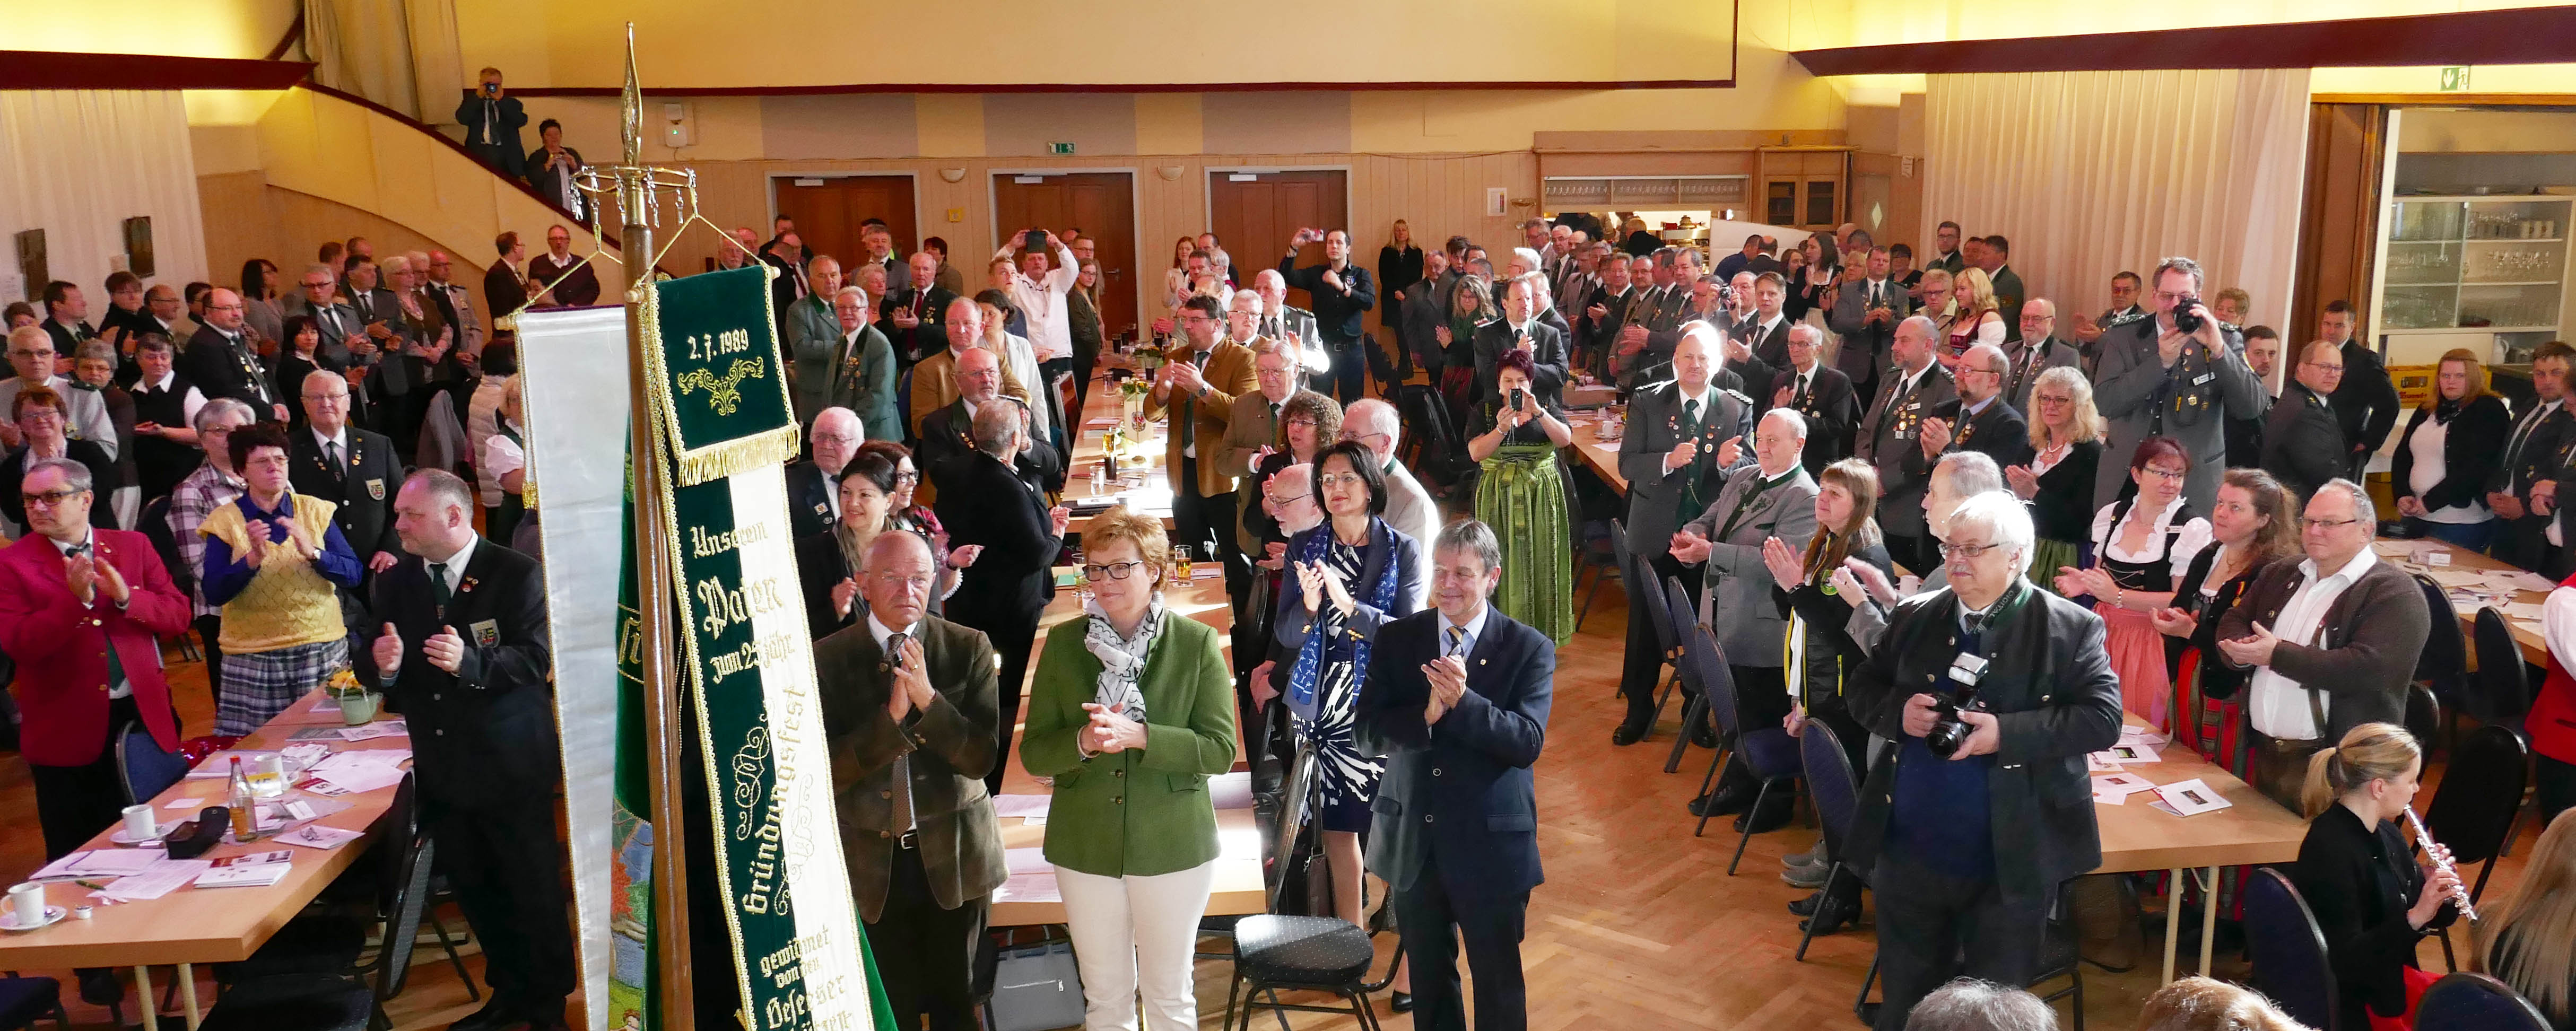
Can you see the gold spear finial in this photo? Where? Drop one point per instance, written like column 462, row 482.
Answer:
column 632, row 105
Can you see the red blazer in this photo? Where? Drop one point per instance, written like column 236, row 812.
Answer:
column 61, row 647
column 2552, row 721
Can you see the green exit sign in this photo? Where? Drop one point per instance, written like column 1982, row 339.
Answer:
column 1067, row 148
column 2455, row 78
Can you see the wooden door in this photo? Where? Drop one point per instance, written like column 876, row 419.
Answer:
column 1101, row 204
column 1256, row 214
column 829, row 211
column 2339, row 214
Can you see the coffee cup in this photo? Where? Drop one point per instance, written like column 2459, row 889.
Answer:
column 27, row 904
column 138, row 822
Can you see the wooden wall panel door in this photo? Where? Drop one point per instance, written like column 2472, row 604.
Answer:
column 828, row 214
column 2339, row 216
column 1103, row 204
column 1257, row 216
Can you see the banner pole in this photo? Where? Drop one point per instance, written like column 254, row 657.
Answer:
column 673, row 976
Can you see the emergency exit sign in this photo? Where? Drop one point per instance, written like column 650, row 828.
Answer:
column 1067, row 148
column 2455, row 78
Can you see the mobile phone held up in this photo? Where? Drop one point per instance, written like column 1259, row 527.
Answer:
column 1034, row 240
column 1520, row 398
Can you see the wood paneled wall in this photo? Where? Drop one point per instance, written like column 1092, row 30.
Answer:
column 1439, row 194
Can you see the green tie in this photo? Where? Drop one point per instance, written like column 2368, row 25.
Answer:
column 1745, row 502
column 438, row 586
column 1690, row 473
column 115, row 666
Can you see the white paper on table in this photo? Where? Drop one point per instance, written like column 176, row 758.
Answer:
column 2192, row 797
column 2142, row 736
column 189, row 803
column 1025, row 860
column 220, row 765
column 314, row 835
column 2457, row 577
column 2101, row 797
column 2528, row 611
column 363, row 778
column 116, row 862
column 1029, row 887
column 2101, row 762
column 2391, row 549
column 2519, row 580
column 2134, row 753
column 1021, row 805
column 1033, row 821
column 248, row 875
column 165, row 876
column 2122, row 783
column 370, row 731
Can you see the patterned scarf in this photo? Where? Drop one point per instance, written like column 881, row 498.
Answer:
column 1307, row 674
column 1122, row 661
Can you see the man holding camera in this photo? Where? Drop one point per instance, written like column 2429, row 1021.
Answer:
column 492, row 120
column 2180, row 375
column 1981, row 809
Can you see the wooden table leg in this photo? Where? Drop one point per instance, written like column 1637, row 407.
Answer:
column 143, row 998
column 2208, row 919
column 2173, row 921
column 188, row 988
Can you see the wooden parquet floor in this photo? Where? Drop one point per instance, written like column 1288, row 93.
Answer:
column 1637, row 928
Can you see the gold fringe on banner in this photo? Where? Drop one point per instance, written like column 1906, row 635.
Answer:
column 770, row 449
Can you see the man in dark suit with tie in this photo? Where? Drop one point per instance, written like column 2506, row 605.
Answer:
column 1819, row 393
column 1914, row 388
column 948, row 435
column 1995, row 258
column 1980, row 420
column 351, row 468
column 912, row 709
column 1757, row 347
column 1520, row 327
column 460, row 648
column 1684, row 436
column 813, row 485
column 911, row 317
column 2035, row 350
column 984, row 501
column 2302, row 440
column 1865, row 315
column 492, row 120
column 2533, row 455
column 2366, row 403
column 220, row 361
column 505, row 284
column 1458, row 703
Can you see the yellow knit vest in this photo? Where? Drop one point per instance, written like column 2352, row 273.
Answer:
column 287, row 602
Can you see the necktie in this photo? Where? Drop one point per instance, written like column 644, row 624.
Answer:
column 331, row 453
column 1457, row 641
column 115, row 667
column 1760, row 488
column 1690, row 477
column 438, row 592
column 902, row 813
column 2513, row 452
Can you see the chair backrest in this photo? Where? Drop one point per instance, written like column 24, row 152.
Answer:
column 1703, row 665
column 2476, row 1002
column 1659, row 612
column 1682, row 611
column 154, row 521
column 143, row 768
column 2287, row 949
column 2481, row 792
column 2446, row 653
column 402, row 916
column 399, row 822
column 1294, row 795
column 1831, row 785
column 2499, row 691
column 2423, row 713
column 1619, row 548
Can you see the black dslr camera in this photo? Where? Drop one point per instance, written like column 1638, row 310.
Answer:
column 1948, row 730
column 2185, row 319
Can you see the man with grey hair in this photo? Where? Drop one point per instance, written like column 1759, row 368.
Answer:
column 1821, row 394
column 31, row 356
column 984, row 500
column 1990, row 691
column 1980, row 420
column 1458, row 703
column 1968, row 1004
column 1912, row 389
column 814, row 485
column 1772, row 498
column 2155, row 379
column 1685, row 436
column 2332, row 640
column 1275, row 319
column 1959, row 476
column 1409, row 508
column 2035, row 350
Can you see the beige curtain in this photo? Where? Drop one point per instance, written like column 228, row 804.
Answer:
column 2089, row 173
column 77, row 164
column 364, row 47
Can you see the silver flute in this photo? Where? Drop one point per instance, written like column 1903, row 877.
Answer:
column 2459, row 887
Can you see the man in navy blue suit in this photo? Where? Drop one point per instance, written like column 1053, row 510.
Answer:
column 1457, row 702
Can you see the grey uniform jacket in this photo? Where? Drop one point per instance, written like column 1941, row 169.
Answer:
column 1736, row 585
column 1886, row 440
column 2190, row 402
column 1654, row 429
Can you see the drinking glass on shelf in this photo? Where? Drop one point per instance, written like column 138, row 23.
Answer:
column 1181, row 560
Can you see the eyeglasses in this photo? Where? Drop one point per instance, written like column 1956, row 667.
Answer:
column 50, row 498
column 1340, row 480
column 907, row 476
column 2166, row 472
column 2306, row 523
column 1307, row 423
column 1280, row 502
column 2324, row 366
column 1970, row 552
column 1114, row 570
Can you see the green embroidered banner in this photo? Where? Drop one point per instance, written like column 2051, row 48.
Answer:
column 718, row 399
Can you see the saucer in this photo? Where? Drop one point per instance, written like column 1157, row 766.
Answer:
column 53, row 915
column 122, row 836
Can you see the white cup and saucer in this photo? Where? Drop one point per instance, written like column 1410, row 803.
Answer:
column 27, row 910
column 140, row 827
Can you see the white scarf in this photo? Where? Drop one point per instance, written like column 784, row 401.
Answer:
column 1121, row 661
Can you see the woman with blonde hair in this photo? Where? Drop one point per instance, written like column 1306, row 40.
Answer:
column 2454, row 439
column 1130, row 712
column 2359, row 877
column 2207, row 1004
column 2529, row 941
column 2066, row 441
column 1973, row 318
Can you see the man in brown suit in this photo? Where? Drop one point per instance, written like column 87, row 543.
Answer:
column 1198, row 386
column 911, row 710
column 2332, row 641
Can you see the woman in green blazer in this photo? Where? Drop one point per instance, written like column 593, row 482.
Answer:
column 1131, row 711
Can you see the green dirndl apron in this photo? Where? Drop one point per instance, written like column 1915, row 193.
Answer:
column 1521, row 495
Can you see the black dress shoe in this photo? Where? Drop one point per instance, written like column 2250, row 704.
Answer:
column 1806, row 906
column 495, row 1015
column 1869, row 1013
column 99, row 987
column 1400, row 1002
column 1771, row 816
column 1829, row 917
column 1627, row 735
column 1704, row 736
column 1729, row 798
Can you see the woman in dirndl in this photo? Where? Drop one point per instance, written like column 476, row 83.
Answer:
column 1521, row 492
column 2254, row 523
column 1354, row 574
column 2140, row 545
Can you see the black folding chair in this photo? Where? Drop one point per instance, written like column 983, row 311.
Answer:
column 1273, row 952
column 2499, row 693
column 1835, row 792
column 2476, row 1002
column 2475, row 810
column 2443, row 666
column 338, row 1001
column 2287, row 949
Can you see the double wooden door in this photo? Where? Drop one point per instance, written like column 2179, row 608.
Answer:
column 1101, row 204
column 1256, row 213
column 829, row 211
